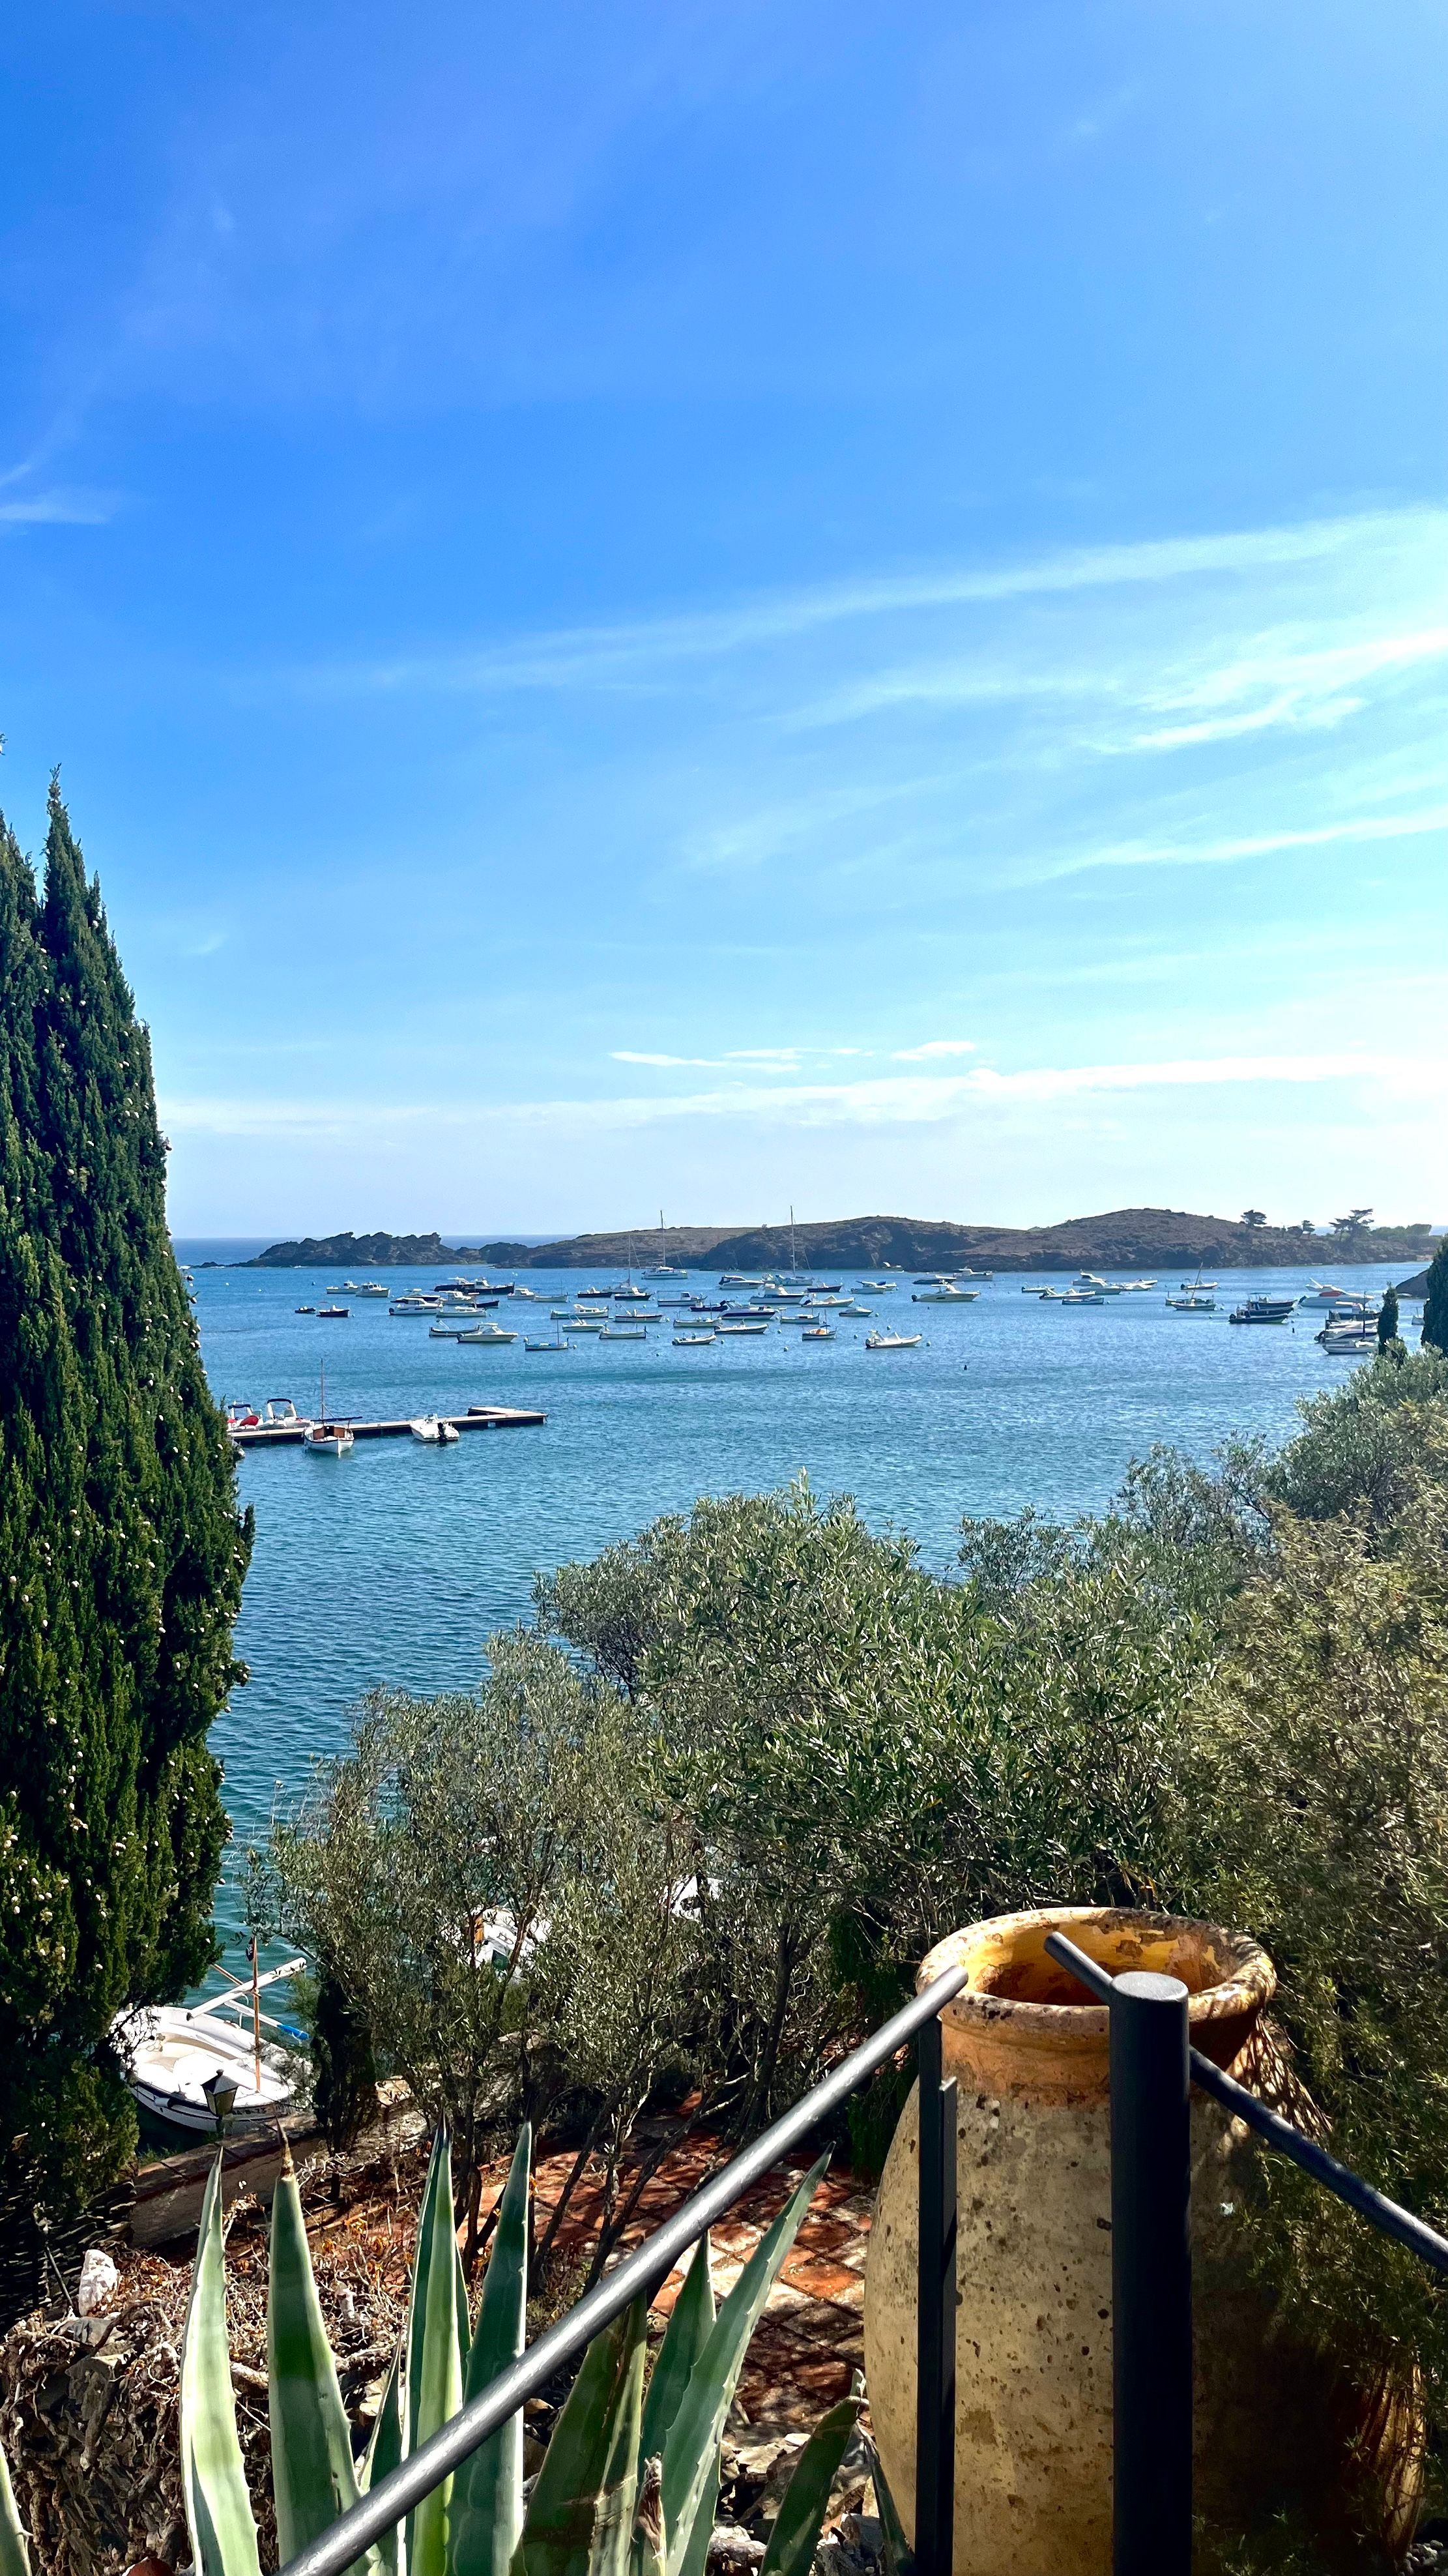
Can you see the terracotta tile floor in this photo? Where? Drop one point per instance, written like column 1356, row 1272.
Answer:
column 809, row 2341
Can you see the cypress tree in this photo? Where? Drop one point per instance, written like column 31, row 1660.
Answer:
column 1435, row 1304
column 122, row 1551
column 1388, row 1319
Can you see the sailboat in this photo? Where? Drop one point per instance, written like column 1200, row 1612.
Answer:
column 1194, row 1302
column 663, row 1268
column 327, row 1439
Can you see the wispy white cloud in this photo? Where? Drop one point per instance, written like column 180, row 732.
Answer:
column 75, row 509
column 1365, row 828
column 888, row 1100
column 934, row 1046
column 575, row 656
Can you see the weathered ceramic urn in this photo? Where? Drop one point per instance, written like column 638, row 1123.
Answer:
column 1033, row 2347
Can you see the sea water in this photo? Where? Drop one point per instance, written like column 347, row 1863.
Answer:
column 393, row 1564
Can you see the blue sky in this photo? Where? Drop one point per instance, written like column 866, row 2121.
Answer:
column 715, row 604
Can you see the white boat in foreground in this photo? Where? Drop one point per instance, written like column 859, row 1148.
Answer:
column 432, row 1427
column 893, row 1341
column 488, row 1334
column 327, row 1439
column 176, row 2058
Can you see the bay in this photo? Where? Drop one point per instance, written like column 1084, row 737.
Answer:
column 392, row 1565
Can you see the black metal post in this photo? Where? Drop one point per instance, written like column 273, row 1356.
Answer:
column 935, row 2314
column 1151, row 2276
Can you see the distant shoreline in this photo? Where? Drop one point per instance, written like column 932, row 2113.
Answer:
column 1150, row 1239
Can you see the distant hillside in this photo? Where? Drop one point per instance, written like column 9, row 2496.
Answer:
column 1154, row 1239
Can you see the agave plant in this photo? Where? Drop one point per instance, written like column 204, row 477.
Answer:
column 630, row 2479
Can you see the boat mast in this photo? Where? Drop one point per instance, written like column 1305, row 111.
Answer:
column 255, row 2018
column 792, row 1262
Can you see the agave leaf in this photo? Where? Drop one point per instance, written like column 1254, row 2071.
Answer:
column 14, row 2556
column 586, row 2466
column 487, row 2506
column 313, row 2479
column 691, row 2452
column 434, row 2365
column 384, row 2450
column 800, row 2519
column 897, row 2547
column 218, row 2508
column 650, row 2543
column 613, row 2518
column 685, row 2336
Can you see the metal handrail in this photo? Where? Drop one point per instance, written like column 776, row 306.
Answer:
column 1387, row 2216
column 642, row 2272
column 1153, row 2069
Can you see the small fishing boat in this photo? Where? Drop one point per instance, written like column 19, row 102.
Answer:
column 733, row 1279
column 1080, row 1297
column 1194, row 1284
column 555, row 1345
column 331, row 1314
column 741, row 1328
column 282, row 1415
column 818, row 1333
column 178, row 2060
column 630, row 1288
column 414, row 1304
column 944, row 1295
column 304, row 1310
column 433, row 1429
column 623, row 1333
column 587, row 1323
column 324, row 1439
column 1192, row 1304
column 487, row 1334
column 327, row 1439
column 692, row 1341
column 878, row 1287
column 369, row 1288
column 530, row 1296
column 849, row 1307
column 893, row 1341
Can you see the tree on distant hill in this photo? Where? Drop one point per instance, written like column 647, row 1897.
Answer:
column 121, row 1549
column 1435, row 1306
column 1348, row 1228
column 1253, row 1217
column 1307, row 1226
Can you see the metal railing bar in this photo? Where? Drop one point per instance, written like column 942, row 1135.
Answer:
column 1387, row 2216
column 404, row 2487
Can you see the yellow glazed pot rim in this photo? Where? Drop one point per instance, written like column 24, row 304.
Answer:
column 1018, row 2011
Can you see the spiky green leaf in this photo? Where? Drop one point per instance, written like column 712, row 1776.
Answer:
column 685, row 2336
column 577, row 2502
column 14, row 2556
column 384, row 2450
column 213, row 2481
column 800, row 2519
column 897, row 2547
column 313, row 2480
column 434, row 2362
column 691, row 2452
column 487, row 2507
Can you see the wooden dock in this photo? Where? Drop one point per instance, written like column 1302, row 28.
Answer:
column 478, row 1417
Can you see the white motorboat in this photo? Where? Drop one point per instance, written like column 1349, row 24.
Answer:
column 586, row 1323
column 327, row 1439
column 848, row 1306
column 557, row 1344
column 1263, row 1310
column 433, row 1428
column 282, row 1415
column 623, row 1333
column 1080, row 1297
column 491, row 1335
column 741, row 1328
column 414, row 1305
column 878, row 1287
column 529, row 1295
column 1192, row 1304
column 692, row 1341
column 818, row 1333
column 944, row 1296
column 177, row 2059
column 1339, row 1301
column 893, row 1341
column 730, row 1279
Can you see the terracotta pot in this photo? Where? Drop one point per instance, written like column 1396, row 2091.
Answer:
column 1033, row 2349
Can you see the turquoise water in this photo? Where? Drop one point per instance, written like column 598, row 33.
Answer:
column 393, row 1564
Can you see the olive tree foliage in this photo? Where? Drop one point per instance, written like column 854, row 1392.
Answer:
column 457, row 1868
column 1316, row 1796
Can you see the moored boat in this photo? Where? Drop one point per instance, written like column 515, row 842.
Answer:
column 893, row 1341
column 191, row 2068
